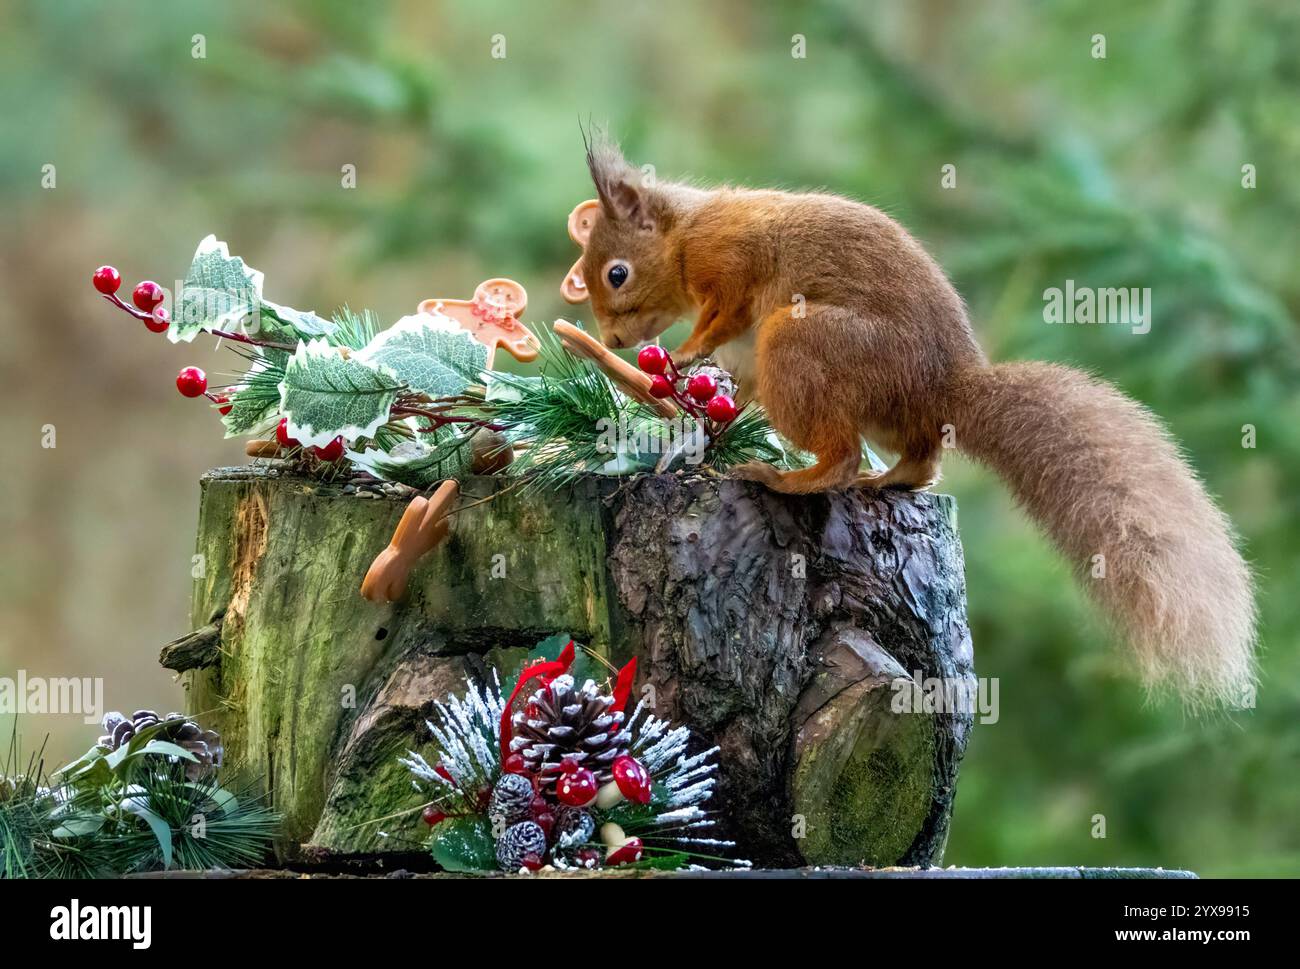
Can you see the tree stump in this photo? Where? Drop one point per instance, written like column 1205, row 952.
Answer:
column 780, row 628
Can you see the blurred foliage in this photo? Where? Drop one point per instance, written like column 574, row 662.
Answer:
column 1123, row 171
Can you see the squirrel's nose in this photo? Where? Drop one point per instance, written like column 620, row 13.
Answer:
column 613, row 342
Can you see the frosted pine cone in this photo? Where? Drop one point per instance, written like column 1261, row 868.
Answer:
column 562, row 721
column 573, row 826
column 519, row 841
column 511, row 799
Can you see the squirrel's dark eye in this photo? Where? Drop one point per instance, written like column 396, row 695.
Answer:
column 617, row 274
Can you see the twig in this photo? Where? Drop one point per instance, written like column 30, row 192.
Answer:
column 221, row 334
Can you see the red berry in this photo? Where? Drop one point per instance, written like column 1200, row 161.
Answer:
column 532, row 861
column 721, row 409
column 331, row 451
column 702, row 387
column 545, row 821
column 225, row 405
column 576, row 786
column 441, row 769
column 432, row 815
column 652, row 359
column 107, row 280
column 158, row 320
column 282, row 435
column 660, row 386
column 632, row 779
column 147, row 295
column 191, row 382
column 514, row 764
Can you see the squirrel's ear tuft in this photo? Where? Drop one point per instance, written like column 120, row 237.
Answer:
column 617, row 183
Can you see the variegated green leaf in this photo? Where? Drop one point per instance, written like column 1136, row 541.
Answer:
column 421, row 463
column 220, row 293
column 429, row 352
column 324, row 395
column 299, row 324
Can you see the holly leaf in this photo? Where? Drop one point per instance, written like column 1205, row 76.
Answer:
column 464, row 844
column 418, row 464
column 302, row 324
column 162, row 831
column 511, row 389
column 220, row 292
column 325, row 395
column 430, row 352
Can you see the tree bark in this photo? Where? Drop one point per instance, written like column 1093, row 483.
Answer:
column 780, row 628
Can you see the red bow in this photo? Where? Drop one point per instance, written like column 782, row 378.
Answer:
column 623, row 686
column 549, row 670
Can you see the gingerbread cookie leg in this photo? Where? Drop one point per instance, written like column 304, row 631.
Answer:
column 423, row 528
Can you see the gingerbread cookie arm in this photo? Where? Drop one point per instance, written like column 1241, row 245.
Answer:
column 629, row 379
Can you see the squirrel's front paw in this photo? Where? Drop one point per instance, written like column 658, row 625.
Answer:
column 685, row 355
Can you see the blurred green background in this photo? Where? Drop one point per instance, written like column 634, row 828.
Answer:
column 1122, row 171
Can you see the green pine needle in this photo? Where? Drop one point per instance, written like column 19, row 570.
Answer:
column 355, row 330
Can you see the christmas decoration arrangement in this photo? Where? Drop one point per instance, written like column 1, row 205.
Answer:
column 557, row 774
column 145, row 797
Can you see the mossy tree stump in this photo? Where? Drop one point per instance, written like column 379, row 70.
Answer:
column 777, row 627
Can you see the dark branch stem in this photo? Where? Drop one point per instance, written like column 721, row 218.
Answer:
column 222, row 334
column 438, row 420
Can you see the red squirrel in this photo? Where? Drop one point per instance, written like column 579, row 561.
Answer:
column 843, row 327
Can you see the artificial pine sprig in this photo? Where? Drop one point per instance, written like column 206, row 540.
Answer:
column 147, row 804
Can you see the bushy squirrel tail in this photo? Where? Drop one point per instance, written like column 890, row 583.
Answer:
column 1104, row 479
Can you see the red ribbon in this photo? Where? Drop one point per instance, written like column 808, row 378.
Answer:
column 549, row 670
column 623, row 687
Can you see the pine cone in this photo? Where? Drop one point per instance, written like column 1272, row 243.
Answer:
column 573, row 826
column 519, row 841
column 562, row 721
column 203, row 744
column 511, row 799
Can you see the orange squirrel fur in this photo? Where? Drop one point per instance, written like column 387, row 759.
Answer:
column 845, row 328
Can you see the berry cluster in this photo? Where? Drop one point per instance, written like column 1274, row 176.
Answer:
column 697, row 394
column 329, row 453
column 148, row 298
column 535, row 820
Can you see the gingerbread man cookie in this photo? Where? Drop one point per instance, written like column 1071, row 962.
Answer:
column 492, row 317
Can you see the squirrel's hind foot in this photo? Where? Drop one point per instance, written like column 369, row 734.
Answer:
column 903, row 476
